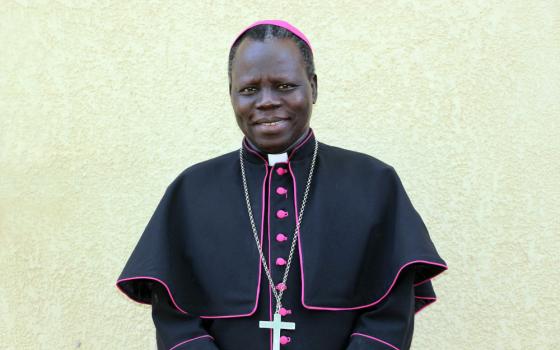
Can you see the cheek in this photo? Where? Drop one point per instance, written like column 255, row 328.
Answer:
column 241, row 107
column 300, row 102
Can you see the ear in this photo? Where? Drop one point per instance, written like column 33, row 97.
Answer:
column 314, row 86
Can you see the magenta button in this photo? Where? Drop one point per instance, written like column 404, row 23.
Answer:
column 281, row 171
column 281, row 190
column 280, row 262
column 284, row 312
column 281, row 237
column 285, row 340
column 280, row 214
column 281, row 286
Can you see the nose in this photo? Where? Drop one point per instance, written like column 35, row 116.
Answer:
column 268, row 99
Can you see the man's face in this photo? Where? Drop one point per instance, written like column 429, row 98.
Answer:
column 269, row 84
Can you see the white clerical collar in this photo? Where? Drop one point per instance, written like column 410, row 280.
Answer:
column 277, row 158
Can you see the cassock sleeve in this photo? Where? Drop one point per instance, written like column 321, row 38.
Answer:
column 390, row 324
column 176, row 330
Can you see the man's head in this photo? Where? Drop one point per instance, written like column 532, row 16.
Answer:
column 272, row 79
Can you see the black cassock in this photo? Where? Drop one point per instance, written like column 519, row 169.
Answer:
column 361, row 269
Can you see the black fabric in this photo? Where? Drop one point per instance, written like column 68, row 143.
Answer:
column 174, row 329
column 359, row 233
column 391, row 323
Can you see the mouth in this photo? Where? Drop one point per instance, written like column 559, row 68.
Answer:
column 271, row 125
column 270, row 121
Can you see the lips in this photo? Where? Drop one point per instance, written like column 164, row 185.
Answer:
column 272, row 125
column 269, row 120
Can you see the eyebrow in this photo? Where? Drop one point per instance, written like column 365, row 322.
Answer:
column 275, row 79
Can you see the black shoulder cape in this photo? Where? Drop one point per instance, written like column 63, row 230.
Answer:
column 359, row 232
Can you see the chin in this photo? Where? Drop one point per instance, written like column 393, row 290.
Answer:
column 271, row 148
column 274, row 144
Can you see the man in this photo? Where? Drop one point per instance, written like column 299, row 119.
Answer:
column 287, row 243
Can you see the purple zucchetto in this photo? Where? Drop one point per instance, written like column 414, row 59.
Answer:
column 278, row 23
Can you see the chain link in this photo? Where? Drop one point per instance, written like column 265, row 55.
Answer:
column 277, row 296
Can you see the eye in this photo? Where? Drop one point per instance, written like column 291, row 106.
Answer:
column 286, row 86
column 248, row 90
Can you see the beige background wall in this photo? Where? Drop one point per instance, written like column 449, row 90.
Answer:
column 103, row 103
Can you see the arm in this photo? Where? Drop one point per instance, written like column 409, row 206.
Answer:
column 390, row 324
column 176, row 330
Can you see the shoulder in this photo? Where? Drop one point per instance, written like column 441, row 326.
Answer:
column 354, row 162
column 216, row 169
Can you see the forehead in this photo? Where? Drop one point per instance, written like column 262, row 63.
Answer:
column 271, row 56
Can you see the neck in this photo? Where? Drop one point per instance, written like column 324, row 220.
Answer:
column 288, row 149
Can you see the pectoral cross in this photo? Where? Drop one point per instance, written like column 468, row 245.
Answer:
column 276, row 325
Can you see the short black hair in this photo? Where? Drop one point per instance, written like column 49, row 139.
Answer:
column 263, row 32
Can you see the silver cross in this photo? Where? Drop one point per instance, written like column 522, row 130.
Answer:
column 277, row 325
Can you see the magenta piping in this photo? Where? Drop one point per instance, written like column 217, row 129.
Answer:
column 300, row 257
column 378, row 300
column 153, row 279
column 296, row 215
column 262, row 233
column 426, row 280
column 268, row 262
column 260, row 266
column 431, row 301
column 310, row 307
column 186, row 341
column 376, row 339
column 250, row 149
column 269, row 175
column 301, row 144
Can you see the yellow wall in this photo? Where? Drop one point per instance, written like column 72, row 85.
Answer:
column 103, row 103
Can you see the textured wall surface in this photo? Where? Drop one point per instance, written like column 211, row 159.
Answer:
column 103, row 103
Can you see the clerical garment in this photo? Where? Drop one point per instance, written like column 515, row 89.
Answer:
column 362, row 267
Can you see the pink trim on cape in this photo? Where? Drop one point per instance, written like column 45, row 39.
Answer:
column 310, row 307
column 169, row 290
column 430, row 301
column 376, row 339
column 152, row 279
column 189, row 340
column 382, row 297
column 260, row 264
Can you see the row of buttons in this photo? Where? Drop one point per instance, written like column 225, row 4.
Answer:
column 280, row 237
